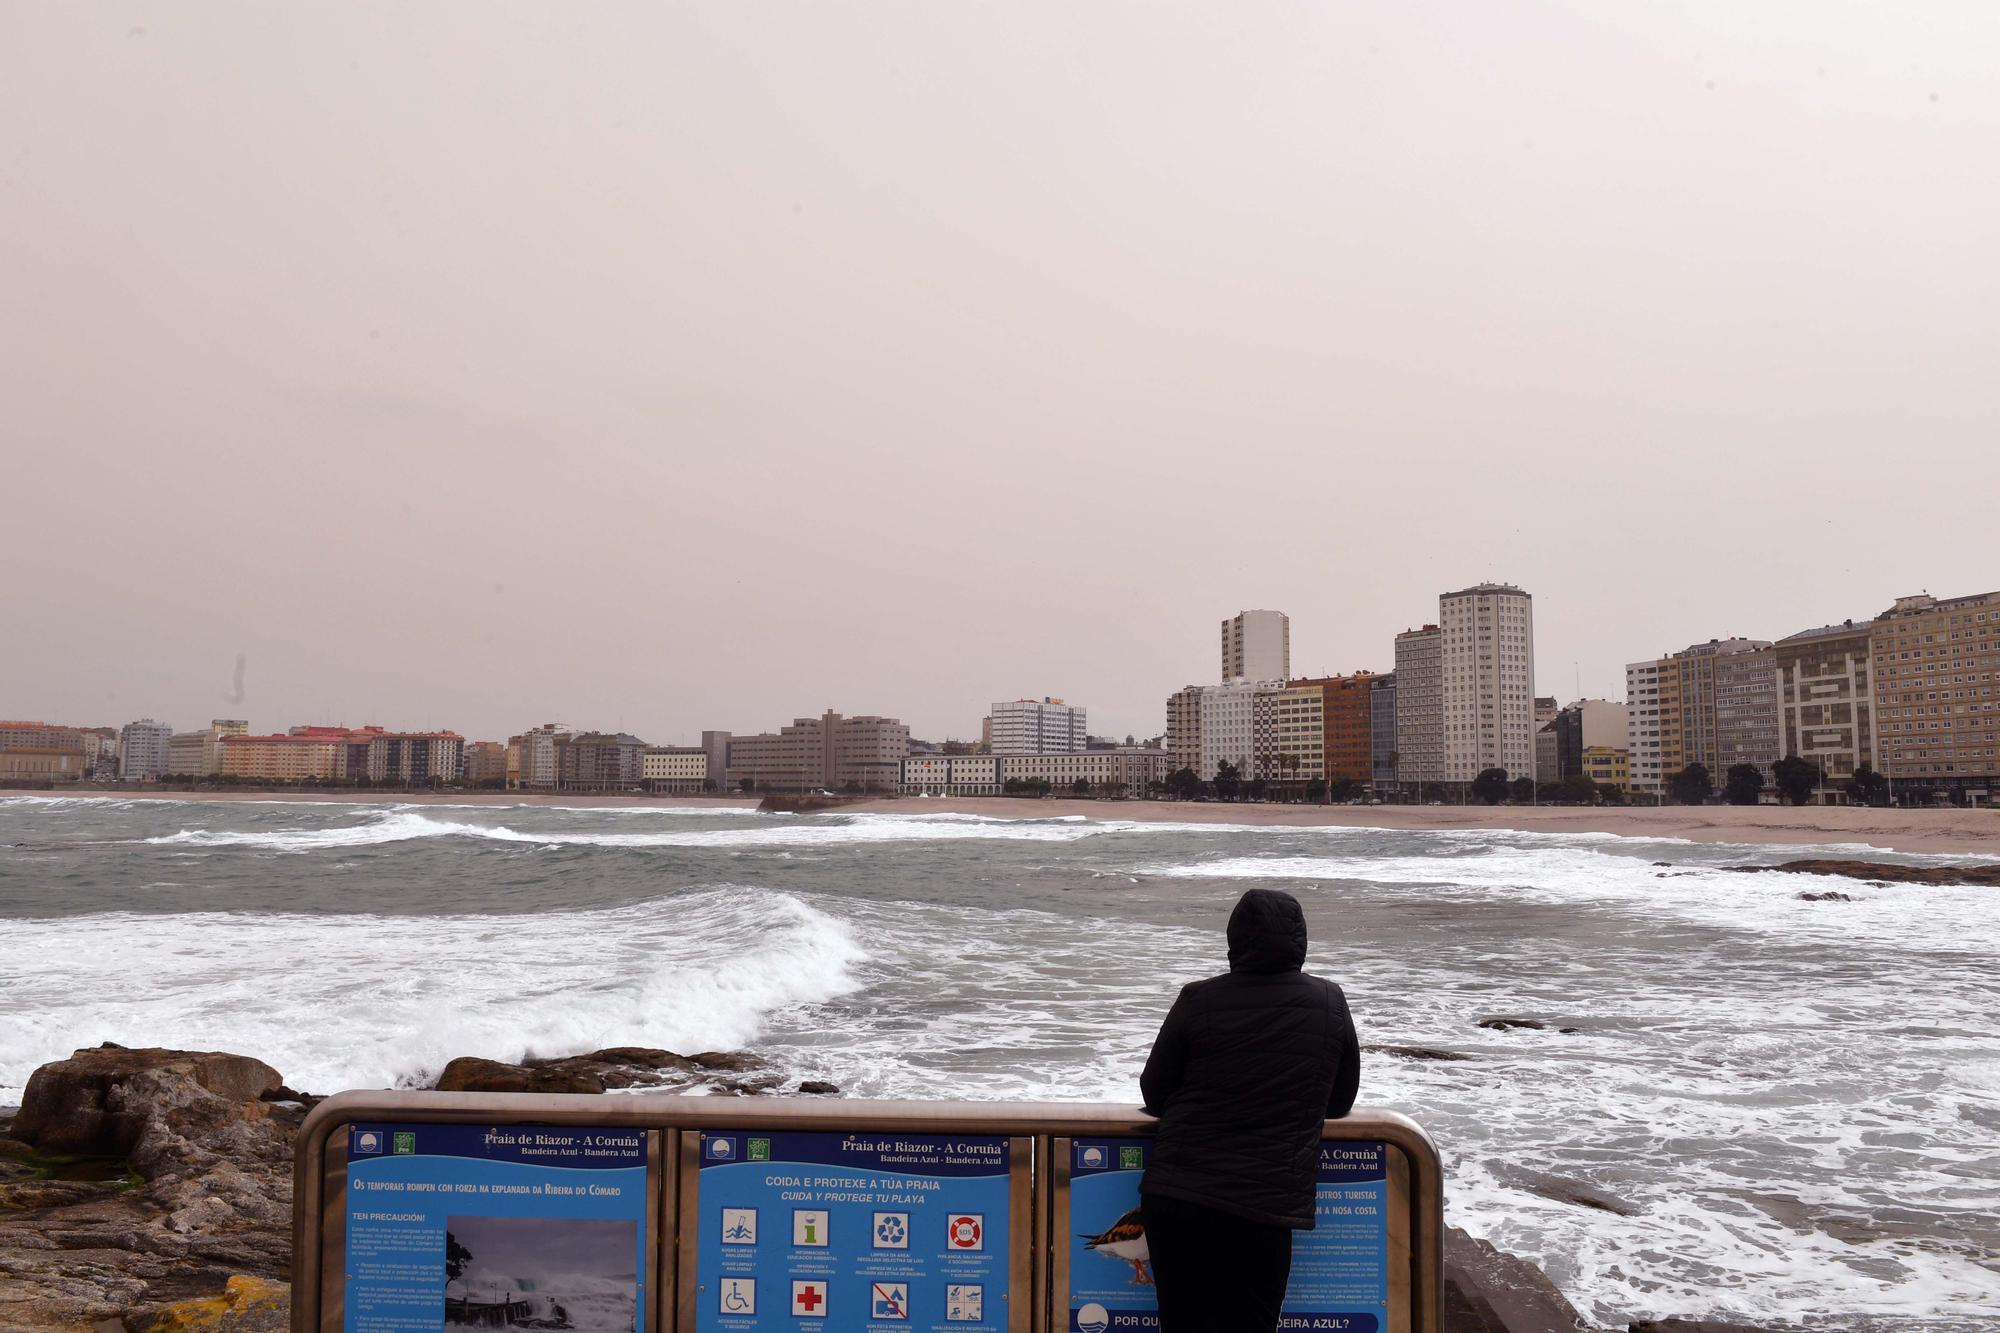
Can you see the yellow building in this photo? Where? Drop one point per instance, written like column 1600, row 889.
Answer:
column 284, row 758
column 1298, row 731
column 1608, row 767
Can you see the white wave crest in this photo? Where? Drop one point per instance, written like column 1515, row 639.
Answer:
column 401, row 824
column 366, row 1001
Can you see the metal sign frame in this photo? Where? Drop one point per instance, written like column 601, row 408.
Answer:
column 320, row 1177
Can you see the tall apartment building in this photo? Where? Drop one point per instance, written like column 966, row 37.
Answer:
column 1419, row 705
column 534, row 758
column 828, row 751
column 1382, row 731
column 485, row 762
column 1237, row 726
column 310, row 756
column 1342, row 710
column 1937, row 686
column 1037, row 726
column 143, row 749
column 198, row 754
column 1746, row 710
column 600, row 761
column 1298, row 731
column 1548, row 755
column 409, row 758
column 1184, row 728
column 1713, row 704
column 1826, row 702
column 1257, row 646
column 1487, row 695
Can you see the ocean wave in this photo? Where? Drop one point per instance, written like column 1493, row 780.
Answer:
column 404, row 823
column 356, row 1001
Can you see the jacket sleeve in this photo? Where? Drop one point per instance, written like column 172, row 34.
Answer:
column 1346, row 1057
column 1167, row 1065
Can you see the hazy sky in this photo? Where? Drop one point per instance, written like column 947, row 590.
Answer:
column 670, row 366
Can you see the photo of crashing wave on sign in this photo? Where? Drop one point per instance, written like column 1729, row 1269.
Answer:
column 561, row 1273
column 1125, row 1239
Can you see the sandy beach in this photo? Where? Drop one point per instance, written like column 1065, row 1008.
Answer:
column 1945, row 832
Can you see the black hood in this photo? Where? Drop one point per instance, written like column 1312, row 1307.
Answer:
column 1267, row 933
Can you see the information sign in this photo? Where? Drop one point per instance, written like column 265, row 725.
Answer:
column 495, row 1226
column 839, row 1233
column 1340, row 1269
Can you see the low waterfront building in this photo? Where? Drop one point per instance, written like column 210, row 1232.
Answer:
column 533, row 760
column 1120, row 772
column 41, row 763
column 1608, row 766
column 37, row 748
column 674, row 768
column 951, row 775
column 143, row 750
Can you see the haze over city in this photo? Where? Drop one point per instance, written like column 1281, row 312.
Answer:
column 663, row 369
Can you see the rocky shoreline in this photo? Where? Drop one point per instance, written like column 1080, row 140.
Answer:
column 150, row 1191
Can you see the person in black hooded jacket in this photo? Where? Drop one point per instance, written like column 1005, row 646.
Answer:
column 1246, row 1068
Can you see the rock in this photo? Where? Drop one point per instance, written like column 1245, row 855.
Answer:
column 1564, row 1190
column 1509, row 1024
column 1882, row 873
column 616, row 1067
column 196, row 1190
column 1489, row 1291
column 1829, row 896
column 469, row 1073
column 1416, row 1052
column 813, row 1087
column 246, row 1305
column 100, row 1102
column 1569, row 1032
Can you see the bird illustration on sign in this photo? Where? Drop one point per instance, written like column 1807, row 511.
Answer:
column 1125, row 1239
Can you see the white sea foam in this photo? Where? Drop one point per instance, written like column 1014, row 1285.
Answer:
column 1917, row 915
column 401, row 824
column 340, row 1001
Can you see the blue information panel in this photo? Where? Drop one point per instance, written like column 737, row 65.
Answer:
column 495, row 1226
column 1340, row 1269
column 836, row 1233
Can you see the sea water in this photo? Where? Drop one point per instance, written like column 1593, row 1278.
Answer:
column 1797, row 1101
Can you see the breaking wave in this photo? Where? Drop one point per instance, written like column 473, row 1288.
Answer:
column 354, row 1001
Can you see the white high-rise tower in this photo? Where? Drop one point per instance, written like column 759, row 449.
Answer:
column 1487, row 703
column 1257, row 645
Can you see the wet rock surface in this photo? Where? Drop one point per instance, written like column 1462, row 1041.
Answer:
column 1878, row 872
column 133, row 1179
column 1487, row 1290
column 617, row 1068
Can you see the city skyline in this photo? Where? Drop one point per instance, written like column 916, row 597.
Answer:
column 947, row 363
column 1146, row 720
